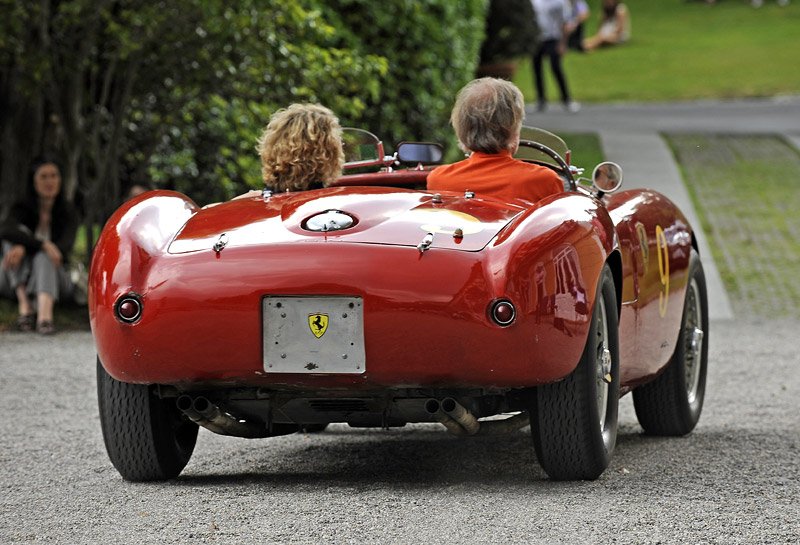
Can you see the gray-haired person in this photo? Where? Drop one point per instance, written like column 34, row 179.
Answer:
column 487, row 118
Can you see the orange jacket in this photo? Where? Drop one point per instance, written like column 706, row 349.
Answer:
column 497, row 175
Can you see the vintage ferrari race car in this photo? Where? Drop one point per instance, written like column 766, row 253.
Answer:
column 376, row 303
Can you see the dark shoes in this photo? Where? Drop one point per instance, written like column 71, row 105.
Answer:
column 45, row 328
column 26, row 322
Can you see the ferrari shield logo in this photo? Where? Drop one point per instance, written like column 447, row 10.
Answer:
column 318, row 323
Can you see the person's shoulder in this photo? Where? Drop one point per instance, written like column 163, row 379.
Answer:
column 533, row 167
column 443, row 170
column 539, row 173
column 20, row 209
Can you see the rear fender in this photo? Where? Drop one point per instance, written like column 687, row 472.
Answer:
column 548, row 261
column 133, row 239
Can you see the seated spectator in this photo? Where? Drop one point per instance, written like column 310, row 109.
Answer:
column 487, row 118
column 615, row 26
column 37, row 238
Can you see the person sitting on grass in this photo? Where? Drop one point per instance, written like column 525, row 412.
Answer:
column 615, row 26
column 37, row 238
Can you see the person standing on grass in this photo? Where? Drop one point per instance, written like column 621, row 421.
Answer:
column 553, row 18
column 580, row 14
column 37, row 238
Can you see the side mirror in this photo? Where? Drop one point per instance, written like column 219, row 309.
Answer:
column 607, row 177
column 419, row 152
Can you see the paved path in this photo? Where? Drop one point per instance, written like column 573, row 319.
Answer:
column 631, row 135
column 734, row 481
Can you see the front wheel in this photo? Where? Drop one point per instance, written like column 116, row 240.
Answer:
column 574, row 421
column 671, row 404
column 146, row 437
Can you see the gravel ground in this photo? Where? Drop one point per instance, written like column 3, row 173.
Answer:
column 735, row 480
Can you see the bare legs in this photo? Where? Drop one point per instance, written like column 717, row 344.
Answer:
column 23, row 304
column 45, row 304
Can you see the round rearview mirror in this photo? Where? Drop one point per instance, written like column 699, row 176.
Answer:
column 607, row 177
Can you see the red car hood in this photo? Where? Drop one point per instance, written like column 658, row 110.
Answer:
column 382, row 216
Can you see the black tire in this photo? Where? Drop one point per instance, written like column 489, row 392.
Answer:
column 313, row 428
column 574, row 421
column 146, row 437
column 671, row 404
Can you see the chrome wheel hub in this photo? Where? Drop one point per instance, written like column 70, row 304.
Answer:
column 603, row 370
column 693, row 339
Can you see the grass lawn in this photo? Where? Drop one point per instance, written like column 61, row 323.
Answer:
column 746, row 196
column 586, row 150
column 683, row 50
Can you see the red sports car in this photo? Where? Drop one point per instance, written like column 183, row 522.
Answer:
column 376, row 303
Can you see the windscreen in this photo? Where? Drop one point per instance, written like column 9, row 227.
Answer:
column 547, row 138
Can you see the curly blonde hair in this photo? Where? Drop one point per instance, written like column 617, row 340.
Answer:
column 301, row 148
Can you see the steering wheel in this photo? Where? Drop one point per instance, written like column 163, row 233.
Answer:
column 555, row 156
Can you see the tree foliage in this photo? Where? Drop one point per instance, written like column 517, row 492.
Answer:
column 175, row 92
column 432, row 50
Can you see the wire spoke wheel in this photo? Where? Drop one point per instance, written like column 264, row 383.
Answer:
column 671, row 404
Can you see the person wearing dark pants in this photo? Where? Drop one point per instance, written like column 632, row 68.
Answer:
column 552, row 17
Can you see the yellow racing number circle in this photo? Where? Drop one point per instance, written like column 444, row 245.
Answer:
column 433, row 220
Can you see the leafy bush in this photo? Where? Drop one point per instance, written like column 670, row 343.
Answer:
column 432, row 50
column 175, row 93
column 262, row 60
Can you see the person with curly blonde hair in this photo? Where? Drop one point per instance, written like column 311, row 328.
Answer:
column 301, row 148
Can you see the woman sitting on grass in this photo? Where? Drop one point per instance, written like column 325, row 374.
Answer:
column 615, row 27
column 37, row 238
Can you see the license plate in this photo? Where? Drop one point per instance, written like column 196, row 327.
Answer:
column 313, row 335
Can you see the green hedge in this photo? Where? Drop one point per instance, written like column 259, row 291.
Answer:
column 175, row 93
column 392, row 68
column 432, row 50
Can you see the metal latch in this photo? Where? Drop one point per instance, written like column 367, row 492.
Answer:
column 426, row 243
column 221, row 242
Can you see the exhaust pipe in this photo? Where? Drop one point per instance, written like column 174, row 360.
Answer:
column 434, row 408
column 204, row 413
column 459, row 421
column 457, row 412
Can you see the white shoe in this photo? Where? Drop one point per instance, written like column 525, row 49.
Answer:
column 572, row 107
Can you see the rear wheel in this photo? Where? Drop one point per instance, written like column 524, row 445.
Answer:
column 146, row 437
column 574, row 421
column 672, row 403
column 313, row 428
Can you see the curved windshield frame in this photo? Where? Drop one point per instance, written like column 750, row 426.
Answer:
column 547, row 138
column 361, row 148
